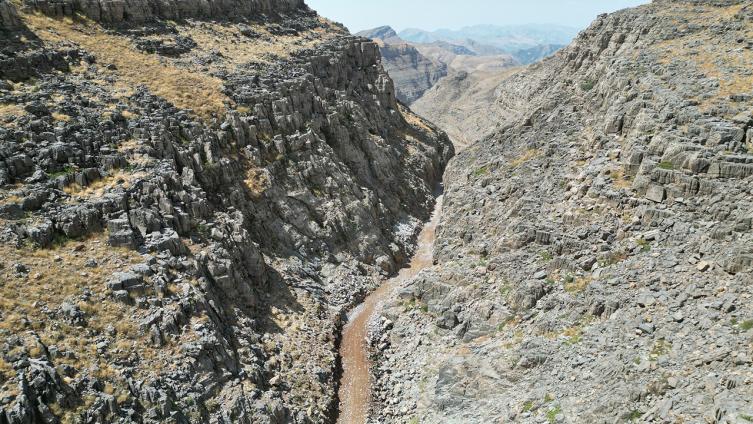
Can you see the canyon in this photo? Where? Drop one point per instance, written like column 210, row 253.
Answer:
column 229, row 212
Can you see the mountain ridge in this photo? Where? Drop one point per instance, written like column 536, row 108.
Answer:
column 507, row 38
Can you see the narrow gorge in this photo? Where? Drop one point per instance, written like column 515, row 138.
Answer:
column 220, row 212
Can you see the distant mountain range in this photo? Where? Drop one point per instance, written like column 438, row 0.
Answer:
column 508, row 38
column 417, row 59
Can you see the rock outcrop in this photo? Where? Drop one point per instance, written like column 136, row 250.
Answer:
column 593, row 258
column 417, row 67
column 186, row 209
column 8, row 16
column 412, row 72
column 134, row 11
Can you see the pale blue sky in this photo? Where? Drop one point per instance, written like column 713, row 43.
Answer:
column 431, row 15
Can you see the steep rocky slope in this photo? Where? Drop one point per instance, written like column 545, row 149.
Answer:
column 593, row 258
column 190, row 196
column 526, row 56
column 412, row 72
column 464, row 105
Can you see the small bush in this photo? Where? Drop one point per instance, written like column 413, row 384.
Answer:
column 67, row 169
column 553, row 413
column 666, row 165
column 635, row 415
column 587, row 86
column 481, row 171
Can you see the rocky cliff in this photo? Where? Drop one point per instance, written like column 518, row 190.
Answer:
column 417, row 67
column 593, row 258
column 412, row 72
column 188, row 205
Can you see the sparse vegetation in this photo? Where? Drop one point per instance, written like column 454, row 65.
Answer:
column 553, row 413
column 578, row 285
column 660, row 348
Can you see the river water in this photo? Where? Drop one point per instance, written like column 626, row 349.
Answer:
column 356, row 383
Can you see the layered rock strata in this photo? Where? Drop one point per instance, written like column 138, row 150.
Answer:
column 188, row 207
column 593, row 258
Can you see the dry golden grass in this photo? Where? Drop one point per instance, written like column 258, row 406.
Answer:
column 98, row 188
column 60, row 277
column 527, row 155
column 577, row 285
column 185, row 89
column 710, row 59
column 257, row 181
column 7, row 109
column 56, row 275
column 619, row 181
column 60, row 117
column 11, row 199
column 73, row 188
column 188, row 87
column 414, row 119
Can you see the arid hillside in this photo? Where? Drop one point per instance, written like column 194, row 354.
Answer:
column 593, row 257
column 191, row 194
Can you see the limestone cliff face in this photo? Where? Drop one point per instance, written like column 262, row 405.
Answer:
column 187, row 208
column 583, row 242
column 412, row 72
column 115, row 11
column 8, row 16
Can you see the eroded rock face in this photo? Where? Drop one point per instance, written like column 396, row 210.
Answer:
column 9, row 16
column 117, row 11
column 593, row 260
column 202, row 253
column 412, row 72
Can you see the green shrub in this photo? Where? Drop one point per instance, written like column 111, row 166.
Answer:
column 666, row 165
column 587, row 86
column 553, row 413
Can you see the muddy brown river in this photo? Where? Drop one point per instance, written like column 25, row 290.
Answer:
column 355, row 389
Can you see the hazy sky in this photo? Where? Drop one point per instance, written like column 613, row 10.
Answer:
column 431, row 15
